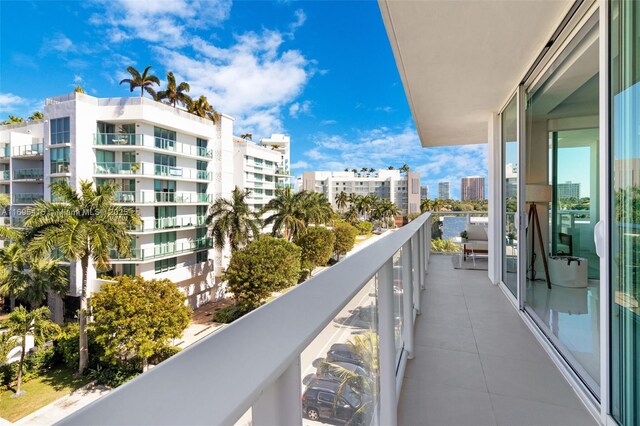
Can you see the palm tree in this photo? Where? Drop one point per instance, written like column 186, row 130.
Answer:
column 354, row 170
column 37, row 115
column 391, row 168
column 85, row 226
column 202, row 108
column 11, row 261
column 426, row 205
column 405, row 168
column 341, row 200
column 79, row 89
column 144, row 81
column 246, row 136
column 364, row 170
column 287, row 213
column 12, row 120
column 371, row 170
column 175, row 93
column 316, row 207
column 351, row 215
column 232, row 219
column 22, row 323
column 7, row 343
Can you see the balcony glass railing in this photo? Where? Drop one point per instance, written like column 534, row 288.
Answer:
column 162, row 197
column 376, row 295
column 181, row 172
column 4, row 175
column 108, row 168
column 177, row 222
column 27, row 150
column 27, row 198
column 167, row 249
column 28, row 174
column 118, row 139
column 130, row 139
column 5, row 151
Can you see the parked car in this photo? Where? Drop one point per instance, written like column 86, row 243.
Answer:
column 329, row 372
column 321, row 401
column 344, row 352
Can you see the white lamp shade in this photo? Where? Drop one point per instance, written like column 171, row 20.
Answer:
column 538, row 193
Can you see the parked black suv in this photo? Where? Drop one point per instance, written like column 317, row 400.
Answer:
column 319, row 401
column 329, row 372
column 344, row 352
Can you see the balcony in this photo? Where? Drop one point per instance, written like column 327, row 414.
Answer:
column 166, row 250
column 457, row 353
column 27, row 198
column 4, row 175
column 161, row 197
column 33, row 150
column 29, row 174
column 5, row 151
column 146, row 169
column 153, row 143
column 174, row 223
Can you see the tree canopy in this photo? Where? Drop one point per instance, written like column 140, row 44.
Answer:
column 317, row 247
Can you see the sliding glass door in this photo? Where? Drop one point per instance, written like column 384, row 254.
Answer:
column 510, row 153
column 625, row 211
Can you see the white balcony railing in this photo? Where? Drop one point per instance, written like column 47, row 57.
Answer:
column 257, row 362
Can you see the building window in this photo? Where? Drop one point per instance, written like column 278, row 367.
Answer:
column 165, row 217
column 60, row 131
column 129, row 269
column 268, row 163
column 60, row 159
column 105, row 156
column 165, row 139
column 165, row 190
column 129, row 157
column 202, row 256
column 165, row 265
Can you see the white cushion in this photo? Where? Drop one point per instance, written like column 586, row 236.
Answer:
column 477, row 232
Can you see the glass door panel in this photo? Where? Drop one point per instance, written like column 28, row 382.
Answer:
column 509, row 123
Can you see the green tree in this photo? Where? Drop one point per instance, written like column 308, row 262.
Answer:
column 203, row 109
column 342, row 199
column 286, row 213
column 144, row 81
column 405, row 168
column 345, row 238
column 138, row 317
column 79, row 89
column 7, row 343
column 315, row 207
column 12, row 120
column 426, row 205
column 85, row 226
column 232, row 219
column 175, row 93
column 265, row 265
column 317, row 247
column 37, row 115
column 21, row 323
column 246, row 136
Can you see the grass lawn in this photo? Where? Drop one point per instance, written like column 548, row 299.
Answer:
column 39, row 392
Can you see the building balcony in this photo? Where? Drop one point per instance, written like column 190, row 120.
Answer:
column 150, row 142
column 450, row 350
column 171, row 223
column 33, row 150
column 5, row 175
column 160, row 251
column 160, row 197
column 5, row 151
column 29, row 174
column 27, row 198
column 148, row 169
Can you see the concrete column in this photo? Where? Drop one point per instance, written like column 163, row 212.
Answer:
column 280, row 404
column 386, row 346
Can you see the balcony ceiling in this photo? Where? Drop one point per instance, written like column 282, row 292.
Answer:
column 460, row 60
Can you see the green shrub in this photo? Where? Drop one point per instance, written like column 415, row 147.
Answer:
column 345, row 238
column 228, row 314
column 317, row 247
column 444, row 246
column 164, row 354
column 35, row 364
column 116, row 374
column 66, row 347
column 364, row 227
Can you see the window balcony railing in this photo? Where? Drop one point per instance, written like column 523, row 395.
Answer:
column 35, row 149
column 182, row 172
column 5, row 151
column 27, row 198
column 177, row 222
column 150, row 197
column 265, row 361
column 28, row 174
column 109, row 168
column 130, row 139
column 144, row 169
column 166, row 249
column 4, row 175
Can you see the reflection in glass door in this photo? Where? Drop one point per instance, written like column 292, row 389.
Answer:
column 625, row 212
column 509, row 123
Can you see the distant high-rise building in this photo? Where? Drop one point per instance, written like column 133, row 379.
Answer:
column 511, row 180
column 568, row 190
column 424, row 192
column 472, row 188
column 444, row 190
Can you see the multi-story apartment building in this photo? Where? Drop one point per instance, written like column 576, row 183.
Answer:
column 568, row 190
column 472, row 188
column 424, row 192
column 260, row 169
column 282, row 144
column 402, row 189
column 444, row 190
column 168, row 163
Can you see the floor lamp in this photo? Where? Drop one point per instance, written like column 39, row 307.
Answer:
column 538, row 193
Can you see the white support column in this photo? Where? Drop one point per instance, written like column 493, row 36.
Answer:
column 417, row 271
column 387, row 346
column 494, row 156
column 280, row 404
column 421, row 278
column 407, row 297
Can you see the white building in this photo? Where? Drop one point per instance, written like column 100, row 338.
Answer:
column 282, row 144
column 259, row 168
column 472, row 188
column 424, row 192
column 568, row 190
column 403, row 190
column 169, row 164
column 444, row 190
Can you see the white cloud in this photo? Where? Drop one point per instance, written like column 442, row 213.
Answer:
column 384, row 109
column 300, row 165
column 301, row 18
column 58, row 43
column 327, row 122
column 298, row 108
column 11, row 103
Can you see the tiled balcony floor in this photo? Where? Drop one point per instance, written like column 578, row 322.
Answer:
column 477, row 363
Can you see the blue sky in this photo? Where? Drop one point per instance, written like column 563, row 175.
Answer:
column 322, row 72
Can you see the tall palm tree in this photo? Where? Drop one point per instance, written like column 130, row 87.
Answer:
column 426, row 205
column 405, row 168
column 85, row 226
column 144, row 81
column 21, row 323
column 316, row 207
column 342, row 200
column 286, row 213
column 37, row 115
column 175, row 93
column 202, row 108
column 246, row 136
column 232, row 219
